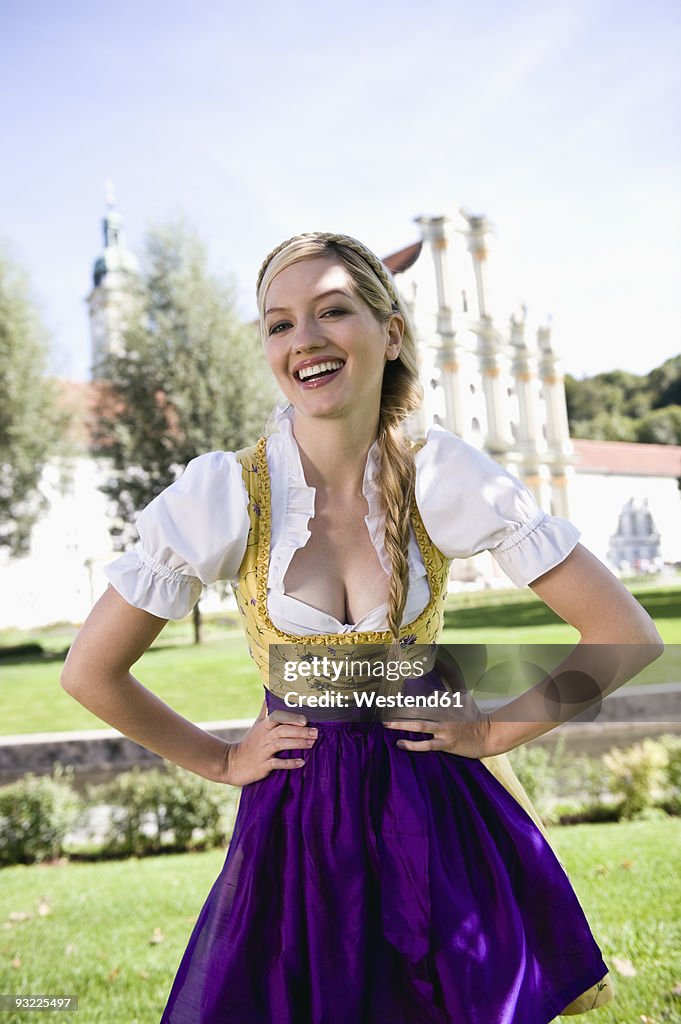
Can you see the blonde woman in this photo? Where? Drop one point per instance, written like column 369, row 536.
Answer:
column 380, row 872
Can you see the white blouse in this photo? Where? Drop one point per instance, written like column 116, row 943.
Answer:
column 195, row 531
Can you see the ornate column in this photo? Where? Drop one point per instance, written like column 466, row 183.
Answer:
column 561, row 451
column 418, row 421
column 526, row 384
column 491, row 358
column 529, row 439
column 448, row 350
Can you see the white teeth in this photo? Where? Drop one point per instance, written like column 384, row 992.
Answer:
column 312, row 371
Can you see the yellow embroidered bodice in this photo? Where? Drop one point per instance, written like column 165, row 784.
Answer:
column 251, row 591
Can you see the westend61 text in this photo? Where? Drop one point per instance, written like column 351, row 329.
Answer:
column 438, row 699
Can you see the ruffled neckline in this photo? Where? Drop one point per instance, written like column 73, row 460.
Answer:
column 284, row 420
column 291, row 532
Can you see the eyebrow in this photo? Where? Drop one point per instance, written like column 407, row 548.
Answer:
column 322, row 295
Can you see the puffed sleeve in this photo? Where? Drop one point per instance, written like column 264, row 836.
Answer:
column 469, row 503
column 193, row 532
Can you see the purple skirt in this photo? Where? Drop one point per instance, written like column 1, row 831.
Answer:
column 377, row 885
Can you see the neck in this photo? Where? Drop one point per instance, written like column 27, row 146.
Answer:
column 334, row 451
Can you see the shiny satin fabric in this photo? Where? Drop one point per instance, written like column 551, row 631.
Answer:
column 377, row 885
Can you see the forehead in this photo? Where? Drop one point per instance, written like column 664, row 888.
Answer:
column 305, row 279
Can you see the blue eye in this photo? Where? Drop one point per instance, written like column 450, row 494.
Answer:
column 273, row 330
column 286, row 323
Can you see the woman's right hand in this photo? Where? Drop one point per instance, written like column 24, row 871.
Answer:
column 254, row 756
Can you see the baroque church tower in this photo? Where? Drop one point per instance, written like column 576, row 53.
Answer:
column 113, row 276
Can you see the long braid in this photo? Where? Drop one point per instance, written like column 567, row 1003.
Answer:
column 396, row 483
column 401, row 394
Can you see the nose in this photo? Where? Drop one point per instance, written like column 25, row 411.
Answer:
column 307, row 335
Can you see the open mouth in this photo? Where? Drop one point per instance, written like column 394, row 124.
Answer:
column 319, row 372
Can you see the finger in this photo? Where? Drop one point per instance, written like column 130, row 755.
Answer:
column 281, row 743
column 295, row 732
column 417, row 725
column 434, row 744
column 285, row 762
column 285, row 716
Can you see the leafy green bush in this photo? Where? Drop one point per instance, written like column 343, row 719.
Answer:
column 36, row 812
column 672, row 746
column 532, row 765
column 578, row 812
column 637, row 774
column 587, row 778
column 160, row 809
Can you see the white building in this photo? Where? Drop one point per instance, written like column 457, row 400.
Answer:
column 497, row 386
column 500, row 387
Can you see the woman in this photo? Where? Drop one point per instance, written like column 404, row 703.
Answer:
column 373, row 875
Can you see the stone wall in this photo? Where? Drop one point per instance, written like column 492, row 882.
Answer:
column 96, row 754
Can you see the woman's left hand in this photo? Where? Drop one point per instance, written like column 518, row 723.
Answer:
column 463, row 730
column 468, row 739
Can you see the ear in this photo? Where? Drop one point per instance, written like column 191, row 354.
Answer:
column 394, row 338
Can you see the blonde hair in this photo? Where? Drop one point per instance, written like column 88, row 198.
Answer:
column 401, row 392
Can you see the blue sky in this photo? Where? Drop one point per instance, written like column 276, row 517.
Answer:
column 559, row 121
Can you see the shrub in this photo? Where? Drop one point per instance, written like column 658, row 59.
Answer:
column 160, row 809
column 636, row 774
column 587, row 778
column 36, row 812
column 532, row 765
column 190, row 804
column 672, row 746
column 578, row 813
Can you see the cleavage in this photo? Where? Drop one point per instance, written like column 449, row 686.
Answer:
column 338, row 571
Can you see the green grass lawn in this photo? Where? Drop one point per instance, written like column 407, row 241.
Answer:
column 115, row 931
column 217, row 679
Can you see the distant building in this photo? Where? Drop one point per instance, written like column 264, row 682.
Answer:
column 113, row 275
column 503, row 391
column 499, row 386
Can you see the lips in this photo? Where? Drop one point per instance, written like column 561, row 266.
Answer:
column 317, row 369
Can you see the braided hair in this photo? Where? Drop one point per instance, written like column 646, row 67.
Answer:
column 401, row 391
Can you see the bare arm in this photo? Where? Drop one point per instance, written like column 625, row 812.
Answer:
column 617, row 640
column 96, row 674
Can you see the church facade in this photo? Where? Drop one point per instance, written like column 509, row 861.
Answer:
column 497, row 385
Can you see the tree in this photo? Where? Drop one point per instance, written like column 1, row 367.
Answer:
column 605, row 426
column 666, row 380
column 617, row 405
column 191, row 377
column 661, row 426
column 31, row 420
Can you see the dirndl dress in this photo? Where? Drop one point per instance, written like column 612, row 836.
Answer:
column 378, row 885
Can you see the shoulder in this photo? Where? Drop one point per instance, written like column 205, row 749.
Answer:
column 194, row 532
column 470, row 503
column 445, row 459
column 207, row 475
column 201, row 508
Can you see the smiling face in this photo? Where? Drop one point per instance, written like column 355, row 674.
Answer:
column 324, row 344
